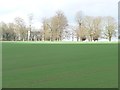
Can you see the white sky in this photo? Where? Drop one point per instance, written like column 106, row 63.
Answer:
column 9, row 9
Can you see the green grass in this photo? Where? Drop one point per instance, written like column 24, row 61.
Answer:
column 41, row 65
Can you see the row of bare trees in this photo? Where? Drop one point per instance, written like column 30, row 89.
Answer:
column 13, row 31
column 93, row 28
column 58, row 28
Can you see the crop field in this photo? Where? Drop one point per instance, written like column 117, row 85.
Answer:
column 59, row 65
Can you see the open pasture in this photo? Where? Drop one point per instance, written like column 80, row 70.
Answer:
column 51, row 65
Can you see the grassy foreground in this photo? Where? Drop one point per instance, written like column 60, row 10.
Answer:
column 30, row 65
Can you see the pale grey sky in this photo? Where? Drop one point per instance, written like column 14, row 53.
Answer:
column 9, row 9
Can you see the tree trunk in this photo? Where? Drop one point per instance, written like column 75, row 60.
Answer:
column 91, row 38
column 77, row 38
column 110, row 39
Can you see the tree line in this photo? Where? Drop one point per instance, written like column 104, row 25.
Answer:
column 57, row 28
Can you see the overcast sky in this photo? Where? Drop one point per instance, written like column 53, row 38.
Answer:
column 9, row 9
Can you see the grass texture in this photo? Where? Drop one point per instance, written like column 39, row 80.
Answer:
column 70, row 65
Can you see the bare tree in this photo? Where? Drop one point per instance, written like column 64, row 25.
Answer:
column 81, row 30
column 4, row 31
column 11, row 28
column 79, row 18
column 54, row 27
column 83, row 33
column 7, row 31
column 97, row 27
column 89, row 27
column 110, row 26
column 58, row 23
column 21, row 28
column 46, row 29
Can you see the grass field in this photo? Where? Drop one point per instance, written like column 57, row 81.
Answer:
column 41, row 65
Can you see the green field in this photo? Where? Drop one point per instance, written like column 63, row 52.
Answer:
column 41, row 65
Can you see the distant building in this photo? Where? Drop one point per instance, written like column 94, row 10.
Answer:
column 34, row 35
